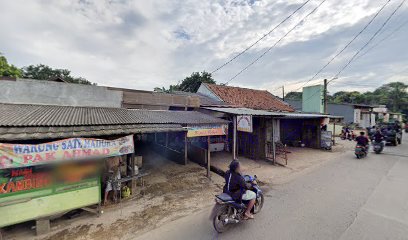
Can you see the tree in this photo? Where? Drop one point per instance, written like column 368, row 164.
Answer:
column 171, row 89
column 44, row 72
column 394, row 95
column 8, row 70
column 192, row 83
column 189, row 84
column 294, row 95
column 348, row 97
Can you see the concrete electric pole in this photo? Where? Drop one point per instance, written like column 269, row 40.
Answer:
column 325, row 96
column 283, row 93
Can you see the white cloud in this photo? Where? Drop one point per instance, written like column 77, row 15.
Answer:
column 143, row 44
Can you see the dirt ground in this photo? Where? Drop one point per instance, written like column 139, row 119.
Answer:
column 172, row 191
column 300, row 160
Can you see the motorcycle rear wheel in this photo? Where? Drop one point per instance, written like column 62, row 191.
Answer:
column 221, row 213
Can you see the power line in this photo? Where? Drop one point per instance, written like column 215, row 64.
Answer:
column 276, row 43
column 361, row 49
column 347, row 45
column 368, row 42
column 383, row 39
column 264, row 36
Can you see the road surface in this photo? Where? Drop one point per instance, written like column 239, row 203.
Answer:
column 345, row 199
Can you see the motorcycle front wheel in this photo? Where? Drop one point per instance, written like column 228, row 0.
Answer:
column 259, row 203
column 221, row 214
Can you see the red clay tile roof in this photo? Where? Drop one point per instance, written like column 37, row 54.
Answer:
column 250, row 98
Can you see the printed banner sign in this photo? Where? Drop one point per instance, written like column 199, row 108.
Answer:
column 207, row 130
column 23, row 155
column 244, row 123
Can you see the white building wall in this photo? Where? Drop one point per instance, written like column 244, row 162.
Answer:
column 26, row 91
column 357, row 116
column 365, row 120
column 207, row 92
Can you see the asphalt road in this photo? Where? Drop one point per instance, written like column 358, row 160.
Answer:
column 346, row 198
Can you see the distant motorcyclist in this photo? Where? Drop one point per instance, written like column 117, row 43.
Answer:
column 363, row 141
column 378, row 136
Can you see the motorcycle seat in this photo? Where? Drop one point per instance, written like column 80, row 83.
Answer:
column 225, row 197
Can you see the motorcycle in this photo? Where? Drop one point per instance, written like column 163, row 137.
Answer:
column 226, row 211
column 378, row 147
column 360, row 151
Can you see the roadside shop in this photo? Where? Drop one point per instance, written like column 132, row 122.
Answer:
column 47, row 179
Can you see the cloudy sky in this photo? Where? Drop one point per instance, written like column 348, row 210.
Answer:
column 144, row 44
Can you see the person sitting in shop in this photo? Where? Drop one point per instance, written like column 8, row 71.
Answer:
column 112, row 182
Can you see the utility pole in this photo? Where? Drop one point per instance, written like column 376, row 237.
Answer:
column 283, row 93
column 325, row 96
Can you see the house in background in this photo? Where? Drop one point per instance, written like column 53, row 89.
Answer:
column 360, row 114
column 383, row 115
column 245, row 97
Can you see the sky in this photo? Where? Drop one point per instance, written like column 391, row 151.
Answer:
column 146, row 44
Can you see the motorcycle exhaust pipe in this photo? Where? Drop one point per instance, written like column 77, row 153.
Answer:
column 231, row 220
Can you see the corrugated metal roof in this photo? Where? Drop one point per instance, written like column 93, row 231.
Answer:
column 308, row 115
column 248, row 111
column 20, row 115
column 245, row 111
column 181, row 117
column 35, row 133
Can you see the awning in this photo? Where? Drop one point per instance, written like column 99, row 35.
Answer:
column 245, row 111
column 309, row 116
column 35, row 133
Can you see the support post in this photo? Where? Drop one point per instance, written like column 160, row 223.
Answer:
column 167, row 139
column 283, row 93
column 273, row 140
column 134, row 182
column 325, row 96
column 208, row 158
column 334, row 133
column 185, row 149
column 234, row 147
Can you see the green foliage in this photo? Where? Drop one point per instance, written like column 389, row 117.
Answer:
column 192, row 83
column 189, row 84
column 8, row 70
column 44, row 72
column 294, row 95
column 171, row 89
column 394, row 95
column 348, row 97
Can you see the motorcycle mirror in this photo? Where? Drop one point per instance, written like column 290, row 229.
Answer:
column 255, row 177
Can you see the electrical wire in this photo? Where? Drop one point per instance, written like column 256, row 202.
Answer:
column 368, row 42
column 347, row 45
column 276, row 43
column 260, row 39
column 362, row 48
column 383, row 39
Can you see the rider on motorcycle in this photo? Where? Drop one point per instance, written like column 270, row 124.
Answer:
column 363, row 141
column 378, row 136
column 238, row 189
